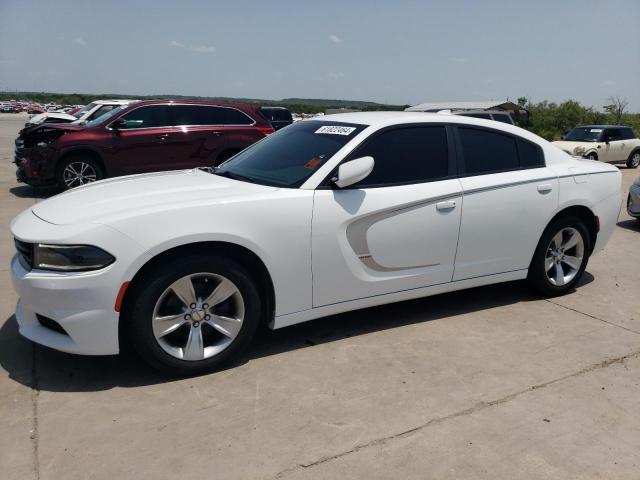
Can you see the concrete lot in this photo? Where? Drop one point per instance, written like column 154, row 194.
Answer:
column 491, row 383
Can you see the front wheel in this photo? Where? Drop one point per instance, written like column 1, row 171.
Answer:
column 634, row 160
column 561, row 257
column 193, row 314
column 78, row 170
column 591, row 156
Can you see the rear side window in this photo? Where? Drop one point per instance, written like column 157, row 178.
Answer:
column 502, row 118
column 627, row 134
column 206, row 115
column 615, row 134
column 406, row 155
column 148, row 117
column 486, row 151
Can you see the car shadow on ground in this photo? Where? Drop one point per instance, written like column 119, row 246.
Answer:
column 27, row 191
column 632, row 224
column 48, row 370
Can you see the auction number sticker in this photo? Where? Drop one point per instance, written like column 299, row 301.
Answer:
column 335, row 130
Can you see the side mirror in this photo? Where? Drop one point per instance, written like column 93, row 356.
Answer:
column 118, row 124
column 353, row 171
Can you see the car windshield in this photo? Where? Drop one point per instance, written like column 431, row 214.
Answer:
column 584, row 134
column 105, row 117
column 290, row 156
column 84, row 110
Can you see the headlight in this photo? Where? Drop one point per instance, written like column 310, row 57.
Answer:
column 578, row 150
column 70, row 258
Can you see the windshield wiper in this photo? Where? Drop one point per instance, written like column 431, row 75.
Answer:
column 234, row 176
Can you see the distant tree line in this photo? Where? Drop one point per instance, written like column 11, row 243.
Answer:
column 552, row 120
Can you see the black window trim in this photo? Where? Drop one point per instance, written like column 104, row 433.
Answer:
column 462, row 173
column 108, row 127
column 452, row 148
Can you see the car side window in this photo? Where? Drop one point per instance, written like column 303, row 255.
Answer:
column 530, row 155
column 406, row 155
column 147, row 117
column 499, row 117
column 208, row 115
column 614, row 134
column 486, row 151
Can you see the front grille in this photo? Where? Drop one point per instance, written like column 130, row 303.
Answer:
column 50, row 324
column 25, row 251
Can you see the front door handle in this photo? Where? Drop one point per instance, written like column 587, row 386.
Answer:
column 216, row 133
column 163, row 137
column 446, row 205
column 545, row 188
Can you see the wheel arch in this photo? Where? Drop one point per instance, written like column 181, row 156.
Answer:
column 593, row 152
column 584, row 213
column 81, row 151
column 247, row 258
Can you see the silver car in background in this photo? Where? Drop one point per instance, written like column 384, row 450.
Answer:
column 633, row 200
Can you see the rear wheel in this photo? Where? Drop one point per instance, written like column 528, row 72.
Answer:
column 591, row 156
column 561, row 257
column 194, row 314
column 634, row 160
column 78, row 170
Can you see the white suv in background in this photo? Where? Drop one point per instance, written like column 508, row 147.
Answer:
column 607, row 143
column 87, row 113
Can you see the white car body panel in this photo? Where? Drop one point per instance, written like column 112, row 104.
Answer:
column 326, row 251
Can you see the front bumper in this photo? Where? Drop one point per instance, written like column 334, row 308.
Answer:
column 75, row 302
column 81, row 303
column 633, row 201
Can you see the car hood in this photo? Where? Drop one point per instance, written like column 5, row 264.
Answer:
column 41, row 117
column 569, row 146
column 132, row 195
column 43, row 128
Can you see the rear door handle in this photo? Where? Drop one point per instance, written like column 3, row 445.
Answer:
column 545, row 188
column 446, row 205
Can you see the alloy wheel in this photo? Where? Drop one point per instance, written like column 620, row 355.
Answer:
column 635, row 160
column 564, row 256
column 79, row 173
column 198, row 316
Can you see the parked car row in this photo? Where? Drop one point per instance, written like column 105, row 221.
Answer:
column 112, row 139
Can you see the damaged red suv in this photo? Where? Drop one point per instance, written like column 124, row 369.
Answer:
column 147, row 136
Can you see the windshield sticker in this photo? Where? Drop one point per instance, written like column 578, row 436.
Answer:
column 595, row 130
column 335, row 130
column 314, row 162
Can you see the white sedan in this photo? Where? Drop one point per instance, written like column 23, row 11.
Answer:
column 324, row 216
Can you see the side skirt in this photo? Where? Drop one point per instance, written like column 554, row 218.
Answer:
column 326, row 310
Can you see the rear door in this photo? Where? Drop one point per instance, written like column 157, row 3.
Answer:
column 395, row 230
column 509, row 196
column 615, row 149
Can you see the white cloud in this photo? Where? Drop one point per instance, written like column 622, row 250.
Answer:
column 335, row 39
column 175, row 44
column 203, row 49
column 335, row 75
column 460, row 60
column 609, row 83
column 80, row 41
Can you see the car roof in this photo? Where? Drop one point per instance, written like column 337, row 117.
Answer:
column 115, row 101
column 602, row 126
column 179, row 101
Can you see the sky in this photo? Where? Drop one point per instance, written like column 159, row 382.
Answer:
column 399, row 52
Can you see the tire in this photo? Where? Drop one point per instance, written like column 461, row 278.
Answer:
column 634, row 159
column 77, row 170
column 167, row 348
column 591, row 156
column 555, row 272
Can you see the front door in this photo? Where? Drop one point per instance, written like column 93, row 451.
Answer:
column 395, row 230
column 145, row 143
